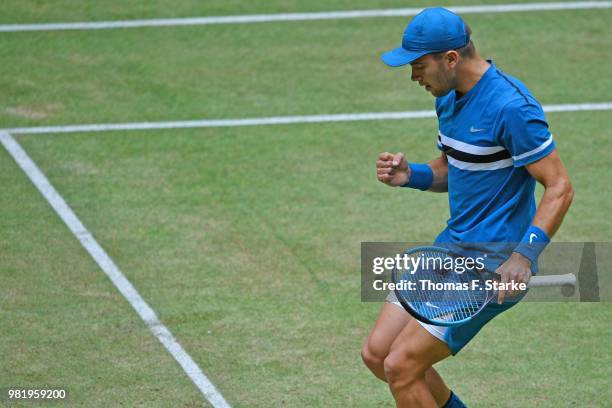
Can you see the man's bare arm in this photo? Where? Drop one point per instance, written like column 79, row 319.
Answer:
column 439, row 166
column 558, row 192
column 558, row 195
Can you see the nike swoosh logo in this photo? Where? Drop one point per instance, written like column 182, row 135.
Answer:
column 429, row 304
column 474, row 130
column 532, row 236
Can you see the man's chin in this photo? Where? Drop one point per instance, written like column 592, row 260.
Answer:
column 439, row 93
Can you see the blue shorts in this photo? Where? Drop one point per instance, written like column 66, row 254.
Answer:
column 456, row 337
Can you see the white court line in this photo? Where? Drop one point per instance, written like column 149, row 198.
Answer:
column 262, row 18
column 112, row 271
column 275, row 120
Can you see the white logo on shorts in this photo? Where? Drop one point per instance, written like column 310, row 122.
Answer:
column 474, row 130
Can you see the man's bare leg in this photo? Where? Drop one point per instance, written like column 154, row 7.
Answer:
column 391, row 321
column 412, row 354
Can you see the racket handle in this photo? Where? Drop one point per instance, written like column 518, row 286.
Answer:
column 552, row 280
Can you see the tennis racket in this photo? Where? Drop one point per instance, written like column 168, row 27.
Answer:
column 439, row 294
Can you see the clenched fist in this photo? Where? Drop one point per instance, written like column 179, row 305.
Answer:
column 392, row 169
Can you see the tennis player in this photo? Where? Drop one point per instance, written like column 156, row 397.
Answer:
column 495, row 143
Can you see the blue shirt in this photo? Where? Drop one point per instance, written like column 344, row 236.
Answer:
column 489, row 135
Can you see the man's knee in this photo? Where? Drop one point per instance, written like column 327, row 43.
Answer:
column 370, row 357
column 403, row 369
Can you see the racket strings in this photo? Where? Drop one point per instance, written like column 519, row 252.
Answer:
column 440, row 293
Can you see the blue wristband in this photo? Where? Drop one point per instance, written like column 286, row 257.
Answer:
column 533, row 243
column 421, row 177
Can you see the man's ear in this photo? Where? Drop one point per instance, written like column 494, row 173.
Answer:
column 452, row 58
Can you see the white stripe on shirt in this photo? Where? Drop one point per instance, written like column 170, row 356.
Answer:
column 534, row 151
column 500, row 164
column 469, row 148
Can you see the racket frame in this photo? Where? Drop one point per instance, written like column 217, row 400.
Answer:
column 568, row 279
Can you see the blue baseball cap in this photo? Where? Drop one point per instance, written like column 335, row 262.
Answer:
column 432, row 30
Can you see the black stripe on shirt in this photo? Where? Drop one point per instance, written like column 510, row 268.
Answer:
column 475, row 158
